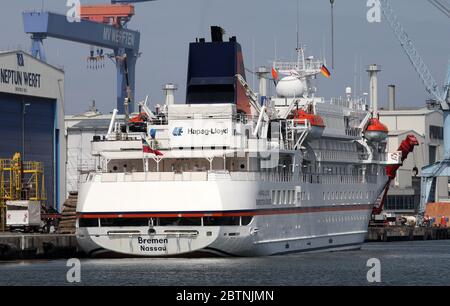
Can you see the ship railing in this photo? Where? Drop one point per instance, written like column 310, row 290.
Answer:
column 334, row 155
column 123, row 136
column 220, row 175
column 310, row 65
column 189, row 176
column 382, row 158
column 335, row 179
column 159, row 121
column 244, row 118
column 353, row 103
column 353, row 132
column 262, row 176
column 240, row 117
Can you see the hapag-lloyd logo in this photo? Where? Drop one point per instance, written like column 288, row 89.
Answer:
column 206, row 132
column 178, row 131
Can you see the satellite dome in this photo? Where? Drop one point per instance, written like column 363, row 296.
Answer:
column 290, row 87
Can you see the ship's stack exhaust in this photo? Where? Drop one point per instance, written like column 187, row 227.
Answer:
column 169, row 93
column 373, row 75
column 391, row 97
column 212, row 70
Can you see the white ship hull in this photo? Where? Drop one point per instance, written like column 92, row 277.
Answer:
column 305, row 223
column 137, row 242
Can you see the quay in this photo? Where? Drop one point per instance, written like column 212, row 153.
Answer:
column 52, row 246
column 38, row 246
column 406, row 233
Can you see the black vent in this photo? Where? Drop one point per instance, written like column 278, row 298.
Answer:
column 217, row 34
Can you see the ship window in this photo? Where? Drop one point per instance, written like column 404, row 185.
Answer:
column 88, row 222
column 217, row 221
column 180, row 221
column 246, row 220
column 123, row 222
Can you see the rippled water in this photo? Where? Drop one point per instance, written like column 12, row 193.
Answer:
column 402, row 263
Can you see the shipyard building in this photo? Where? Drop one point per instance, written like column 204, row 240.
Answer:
column 81, row 130
column 32, row 118
column 426, row 123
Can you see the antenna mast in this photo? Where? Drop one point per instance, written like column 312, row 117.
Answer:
column 332, row 33
column 298, row 17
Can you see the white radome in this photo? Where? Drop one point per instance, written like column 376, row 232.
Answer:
column 290, row 87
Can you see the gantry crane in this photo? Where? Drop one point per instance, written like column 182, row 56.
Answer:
column 104, row 26
column 441, row 94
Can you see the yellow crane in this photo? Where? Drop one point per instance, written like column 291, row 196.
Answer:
column 20, row 180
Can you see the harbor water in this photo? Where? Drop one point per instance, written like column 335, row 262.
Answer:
column 401, row 263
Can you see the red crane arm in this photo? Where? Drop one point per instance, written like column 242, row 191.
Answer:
column 406, row 147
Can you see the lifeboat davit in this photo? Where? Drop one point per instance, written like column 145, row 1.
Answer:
column 376, row 131
column 317, row 124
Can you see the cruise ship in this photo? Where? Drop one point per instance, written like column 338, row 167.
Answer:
column 236, row 173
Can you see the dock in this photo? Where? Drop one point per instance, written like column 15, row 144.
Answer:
column 52, row 246
column 406, row 233
column 38, row 246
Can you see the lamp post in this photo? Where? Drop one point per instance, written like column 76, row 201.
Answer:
column 24, row 107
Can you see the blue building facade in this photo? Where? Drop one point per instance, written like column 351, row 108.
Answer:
column 31, row 117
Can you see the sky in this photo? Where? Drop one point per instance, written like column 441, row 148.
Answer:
column 265, row 28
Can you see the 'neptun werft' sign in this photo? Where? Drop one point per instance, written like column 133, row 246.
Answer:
column 22, row 74
column 20, row 78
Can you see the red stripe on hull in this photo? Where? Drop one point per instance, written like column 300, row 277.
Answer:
column 260, row 212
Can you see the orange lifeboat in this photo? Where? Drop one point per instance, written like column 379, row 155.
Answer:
column 376, row 131
column 138, row 123
column 317, row 124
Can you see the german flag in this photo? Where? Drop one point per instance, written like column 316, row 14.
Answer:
column 326, row 73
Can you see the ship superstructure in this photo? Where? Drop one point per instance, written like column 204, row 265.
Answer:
column 232, row 172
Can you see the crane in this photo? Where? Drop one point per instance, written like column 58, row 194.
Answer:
column 441, row 168
column 103, row 25
column 443, row 7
